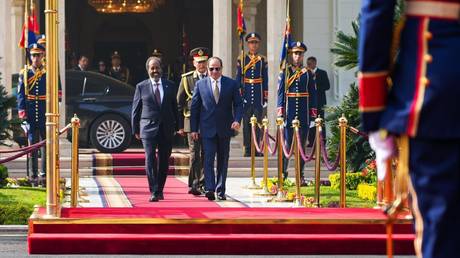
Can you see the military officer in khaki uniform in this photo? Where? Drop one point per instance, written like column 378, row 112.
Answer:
column 184, row 101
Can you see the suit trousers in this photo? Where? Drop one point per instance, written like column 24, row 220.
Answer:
column 312, row 133
column 35, row 135
column 288, row 135
column 247, row 131
column 196, row 175
column 434, row 166
column 213, row 146
column 156, row 166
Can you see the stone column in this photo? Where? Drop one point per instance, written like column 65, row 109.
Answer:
column 276, row 20
column 5, row 46
column 249, row 13
column 17, row 21
column 222, row 34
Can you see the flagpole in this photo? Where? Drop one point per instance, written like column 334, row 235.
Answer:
column 26, row 45
column 242, row 49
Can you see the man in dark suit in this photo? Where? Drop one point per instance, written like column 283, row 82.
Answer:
column 216, row 113
column 322, row 85
column 154, row 116
column 83, row 63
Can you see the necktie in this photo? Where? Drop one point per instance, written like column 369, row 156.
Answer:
column 216, row 92
column 157, row 93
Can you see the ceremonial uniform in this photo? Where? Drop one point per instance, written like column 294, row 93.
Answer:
column 120, row 72
column 253, row 78
column 184, row 102
column 32, row 100
column 417, row 97
column 296, row 99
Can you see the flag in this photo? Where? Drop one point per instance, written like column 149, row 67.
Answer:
column 30, row 28
column 287, row 40
column 241, row 29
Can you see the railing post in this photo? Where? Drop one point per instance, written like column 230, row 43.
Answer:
column 253, row 184
column 343, row 124
column 318, row 122
column 280, row 195
column 296, row 125
column 265, row 191
column 53, row 205
column 388, row 197
column 75, row 184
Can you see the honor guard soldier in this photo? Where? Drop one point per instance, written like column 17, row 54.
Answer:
column 167, row 74
column 32, row 105
column 412, row 98
column 184, row 101
column 41, row 40
column 118, row 71
column 253, row 77
column 296, row 100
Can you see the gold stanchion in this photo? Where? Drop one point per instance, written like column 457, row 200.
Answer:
column 265, row 191
column 343, row 124
column 379, row 203
column 253, row 184
column 318, row 122
column 296, row 125
column 74, row 190
column 280, row 196
column 52, row 112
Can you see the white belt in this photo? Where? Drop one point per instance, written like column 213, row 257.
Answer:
column 433, row 9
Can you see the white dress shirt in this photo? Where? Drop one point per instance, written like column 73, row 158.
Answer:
column 160, row 87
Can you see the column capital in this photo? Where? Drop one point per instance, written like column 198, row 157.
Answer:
column 250, row 7
column 17, row 3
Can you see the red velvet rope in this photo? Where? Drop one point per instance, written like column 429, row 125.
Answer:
column 302, row 153
column 330, row 166
column 285, row 151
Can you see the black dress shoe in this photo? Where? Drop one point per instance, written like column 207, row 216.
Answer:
column 154, row 198
column 221, row 198
column 161, row 196
column 210, row 195
column 190, row 191
column 196, row 191
column 303, row 182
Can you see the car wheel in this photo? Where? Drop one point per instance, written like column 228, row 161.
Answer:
column 110, row 133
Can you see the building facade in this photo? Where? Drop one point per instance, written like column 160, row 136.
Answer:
column 209, row 23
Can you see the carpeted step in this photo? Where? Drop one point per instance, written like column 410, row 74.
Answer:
column 191, row 227
column 228, row 244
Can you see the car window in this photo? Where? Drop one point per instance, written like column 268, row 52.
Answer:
column 74, row 86
column 95, row 87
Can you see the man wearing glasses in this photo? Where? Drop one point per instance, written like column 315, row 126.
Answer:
column 216, row 113
column 253, row 78
column 32, row 106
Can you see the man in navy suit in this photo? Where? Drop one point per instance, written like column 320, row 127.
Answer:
column 154, row 116
column 216, row 113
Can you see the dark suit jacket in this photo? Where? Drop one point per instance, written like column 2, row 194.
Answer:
column 322, row 85
column 147, row 115
column 210, row 118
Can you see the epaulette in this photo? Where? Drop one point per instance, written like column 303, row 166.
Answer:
column 187, row 74
column 263, row 57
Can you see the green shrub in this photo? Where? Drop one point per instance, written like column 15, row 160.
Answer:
column 23, row 181
column 367, row 192
column 14, row 213
column 3, row 175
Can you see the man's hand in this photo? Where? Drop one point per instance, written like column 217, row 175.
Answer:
column 181, row 132
column 137, row 136
column 195, row 136
column 235, row 126
column 384, row 147
column 22, row 114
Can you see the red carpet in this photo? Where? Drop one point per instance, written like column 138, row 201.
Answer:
column 184, row 224
column 175, row 193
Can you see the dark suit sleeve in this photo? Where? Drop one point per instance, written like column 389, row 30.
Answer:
column 281, row 100
column 239, row 75
column 313, row 96
column 136, row 110
column 237, row 103
column 195, row 109
column 323, row 84
column 180, row 98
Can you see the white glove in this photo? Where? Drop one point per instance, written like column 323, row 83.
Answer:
column 312, row 124
column 384, row 149
column 264, row 105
